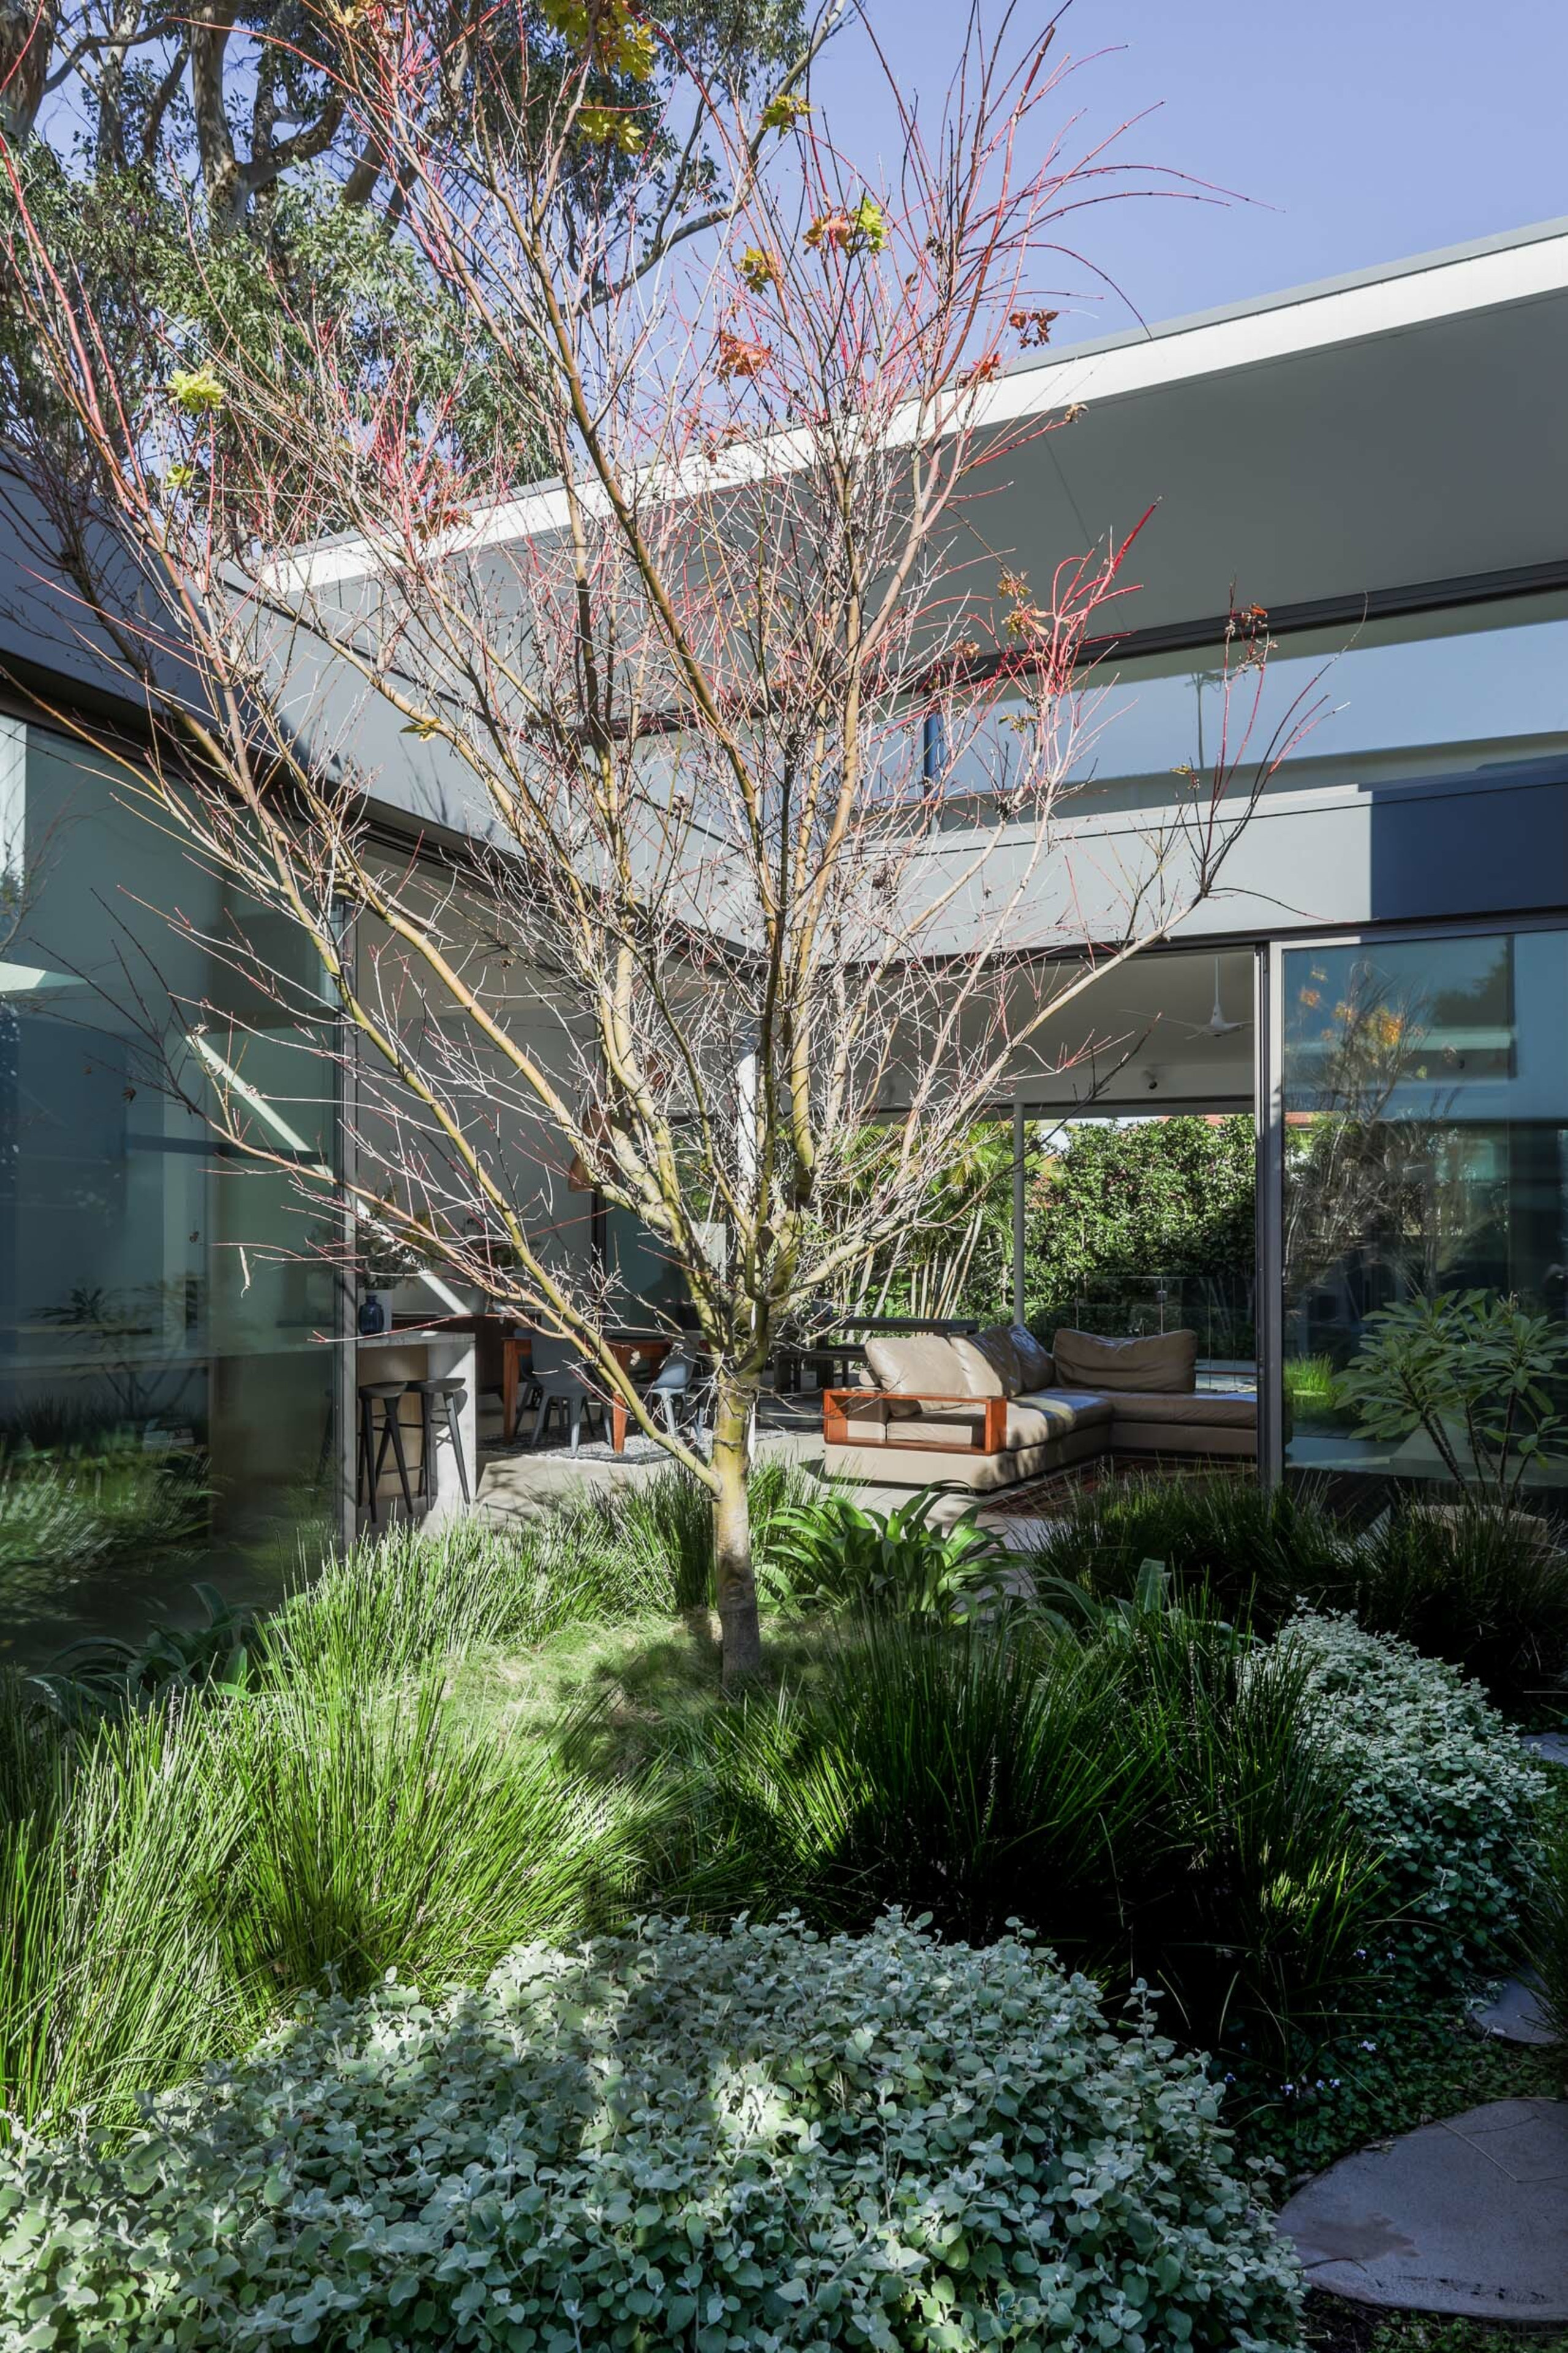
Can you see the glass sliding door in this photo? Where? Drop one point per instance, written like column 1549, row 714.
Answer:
column 1423, row 1083
column 167, row 1367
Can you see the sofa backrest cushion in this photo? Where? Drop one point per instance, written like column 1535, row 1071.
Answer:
column 1037, row 1366
column 991, row 1363
column 1161, row 1364
column 921, row 1364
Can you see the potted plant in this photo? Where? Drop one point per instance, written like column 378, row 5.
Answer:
column 1478, row 1374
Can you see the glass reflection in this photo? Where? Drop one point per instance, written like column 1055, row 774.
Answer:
column 1425, row 1087
column 166, row 1366
column 1413, row 696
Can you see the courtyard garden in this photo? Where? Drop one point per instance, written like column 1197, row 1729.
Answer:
column 443, row 1960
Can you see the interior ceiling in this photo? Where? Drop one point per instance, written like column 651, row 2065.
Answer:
column 1141, row 1036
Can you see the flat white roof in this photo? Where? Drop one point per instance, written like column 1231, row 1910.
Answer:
column 1459, row 285
column 1485, row 274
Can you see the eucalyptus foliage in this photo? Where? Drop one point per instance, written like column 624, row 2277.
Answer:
column 738, row 2143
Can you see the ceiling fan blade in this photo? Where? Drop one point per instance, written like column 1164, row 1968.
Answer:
column 1169, row 1021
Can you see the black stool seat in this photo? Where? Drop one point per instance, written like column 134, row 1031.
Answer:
column 373, row 1459
column 446, row 1393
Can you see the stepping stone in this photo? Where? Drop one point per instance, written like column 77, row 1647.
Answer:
column 1515, row 2016
column 1552, row 1747
column 1468, row 2217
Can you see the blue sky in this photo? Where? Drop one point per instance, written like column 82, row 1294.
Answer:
column 1361, row 133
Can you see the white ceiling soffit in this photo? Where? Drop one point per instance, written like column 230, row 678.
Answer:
column 1461, row 284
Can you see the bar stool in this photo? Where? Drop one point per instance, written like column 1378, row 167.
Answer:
column 388, row 1395
column 451, row 1394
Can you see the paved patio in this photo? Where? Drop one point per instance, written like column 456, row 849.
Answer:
column 518, row 1483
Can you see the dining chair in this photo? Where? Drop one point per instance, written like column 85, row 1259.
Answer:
column 562, row 1378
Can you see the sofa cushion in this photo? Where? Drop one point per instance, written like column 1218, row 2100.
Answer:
column 1205, row 1410
column 1063, row 1409
column 921, row 1364
column 901, row 1467
column 1159, row 1363
column 1037, row 1364
column 990, row 1362
column 1130, row 1436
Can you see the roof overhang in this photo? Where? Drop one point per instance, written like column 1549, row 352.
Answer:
column 1392, row 427
column 1359, row 436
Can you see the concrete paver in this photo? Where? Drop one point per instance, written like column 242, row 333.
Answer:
column 1467, row 2217
column 1515, row 2016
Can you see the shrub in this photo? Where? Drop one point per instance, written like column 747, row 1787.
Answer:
column 1118, row 1203
column 1476, row 1373
column 1437, row 1781
column 756, row 2140
column 104, row 1676
column 830, row 1553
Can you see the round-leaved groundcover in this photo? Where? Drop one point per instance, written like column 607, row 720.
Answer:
column 762, row 2139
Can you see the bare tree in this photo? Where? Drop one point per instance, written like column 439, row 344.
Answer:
column 703, row 704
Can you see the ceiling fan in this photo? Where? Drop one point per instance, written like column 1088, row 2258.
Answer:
column 1216, row 1026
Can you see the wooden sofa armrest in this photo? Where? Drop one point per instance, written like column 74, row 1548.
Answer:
column 989, row 1413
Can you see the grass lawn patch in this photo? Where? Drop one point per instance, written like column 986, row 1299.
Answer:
column 627, row 1689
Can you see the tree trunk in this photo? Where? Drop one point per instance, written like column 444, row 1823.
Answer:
column 742, row 1628
column 27, row 34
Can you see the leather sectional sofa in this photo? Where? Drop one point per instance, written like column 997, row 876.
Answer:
column 986, row 1412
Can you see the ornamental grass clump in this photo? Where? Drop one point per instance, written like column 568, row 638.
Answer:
column 1485, row 1590
column 743, row 2143
column 647, row 1549
column 1154, row 1804
column 187, row 1874
column 1257, row 1552
column 381, row 1834
column 391, row 1607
